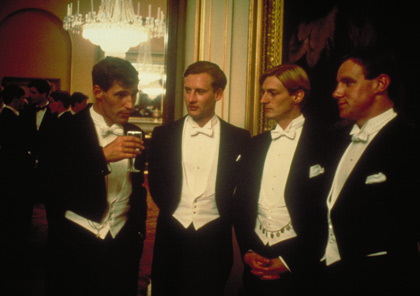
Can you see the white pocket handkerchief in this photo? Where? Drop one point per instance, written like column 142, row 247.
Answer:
column 377, row 178
column 238, row 158
column 316, row 170
column 377, row 254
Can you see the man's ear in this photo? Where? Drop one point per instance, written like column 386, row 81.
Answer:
column 97, row 91
column 382, row 83
column 219, row 94
column 298, row 97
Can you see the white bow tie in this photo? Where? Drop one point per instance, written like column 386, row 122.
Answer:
column 114, row 129
column 276, row 134
column 361, row 137
column 199, row 130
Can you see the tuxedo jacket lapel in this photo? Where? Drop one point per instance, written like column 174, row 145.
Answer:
column 47, row 120
column 255, row 161
column 224, row 155
column 165, row 166
column 175, row 141
column 89, row 137
column 299, row 168
column 368, row 161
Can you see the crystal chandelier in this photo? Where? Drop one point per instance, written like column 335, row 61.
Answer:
column 115, row 27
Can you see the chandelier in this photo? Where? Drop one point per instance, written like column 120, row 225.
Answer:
column 115, row 27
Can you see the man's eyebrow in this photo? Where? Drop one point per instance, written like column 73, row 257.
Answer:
column 196, row 88
column 346, row 79
column 270, row 89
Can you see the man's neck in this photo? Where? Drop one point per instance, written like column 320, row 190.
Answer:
column 380, row 107
column 202, row 122
column 285, row 122
column 98, row 109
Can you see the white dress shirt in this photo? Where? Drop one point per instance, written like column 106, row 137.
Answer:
column 12, row 109
column 62, row 113
column 40, row 115
column 118, row 184
column 200, row 155
column 273, row 223
column 361, row 139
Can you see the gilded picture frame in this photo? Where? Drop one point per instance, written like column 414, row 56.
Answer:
column 266, row 48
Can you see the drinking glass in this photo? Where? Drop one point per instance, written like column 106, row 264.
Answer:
column 139, row 135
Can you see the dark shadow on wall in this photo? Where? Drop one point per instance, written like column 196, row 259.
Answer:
column 318, row 33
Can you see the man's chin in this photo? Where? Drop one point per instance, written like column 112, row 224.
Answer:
column 122, row 119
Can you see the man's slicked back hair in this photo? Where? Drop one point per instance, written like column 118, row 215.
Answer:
column 112, row 69
column 217, row 75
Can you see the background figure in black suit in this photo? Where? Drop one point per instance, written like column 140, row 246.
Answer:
column 192, row 175
column 60, row 104
column 1, row 99
column 16, row 206
column 279, row 202
column 78, row 102
column 373, row 211
column 97, row 208
column 37, row 120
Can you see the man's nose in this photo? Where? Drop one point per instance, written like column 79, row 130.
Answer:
column 191, row 97
column 337, row 93
column 130, row 101
column 264, row 98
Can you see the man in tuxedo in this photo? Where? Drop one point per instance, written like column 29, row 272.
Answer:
column 372, row 245
column 38, row 115
column 1, row 100
column 37, row 120
column 78, row 102
column 60, row 102
column 16, row 208
column 279, row 201
column 97, row 207
column 192, row 175
column 13, row 154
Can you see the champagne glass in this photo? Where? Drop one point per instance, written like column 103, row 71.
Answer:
column 139, row 135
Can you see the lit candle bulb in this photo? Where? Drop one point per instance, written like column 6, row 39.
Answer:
column 70, row 9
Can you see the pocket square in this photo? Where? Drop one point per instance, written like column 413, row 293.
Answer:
column 377, row 254
column 376, row 178
column 238, row 158
column 316, row 170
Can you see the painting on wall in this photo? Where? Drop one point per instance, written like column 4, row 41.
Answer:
column 24, row 81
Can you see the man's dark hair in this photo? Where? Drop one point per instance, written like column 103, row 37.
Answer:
column 12, row 91
column 78, row 97
column 217, row 75
column 112, row 69
column 376, row 62
column 41, row 85
column 61, row 96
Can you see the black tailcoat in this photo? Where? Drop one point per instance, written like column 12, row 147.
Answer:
column 304, row 195
column 165, row 181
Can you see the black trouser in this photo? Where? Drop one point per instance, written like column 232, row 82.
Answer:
column 191, row 262
column 82, row 264
column 370, row 276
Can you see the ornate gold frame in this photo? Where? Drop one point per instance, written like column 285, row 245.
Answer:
column 266, row 48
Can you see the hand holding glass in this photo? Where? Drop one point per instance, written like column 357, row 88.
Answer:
column 139, row 135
